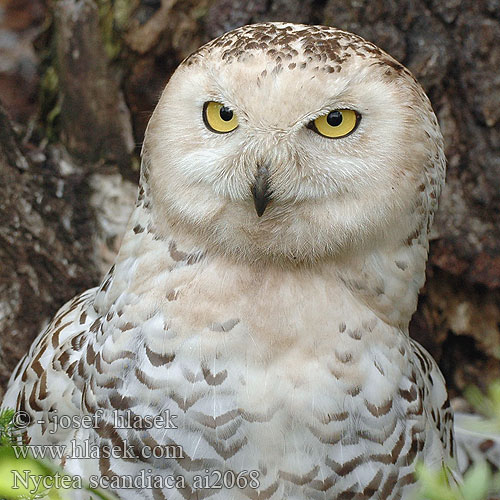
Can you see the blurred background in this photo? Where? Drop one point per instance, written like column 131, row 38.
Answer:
column 80, row 78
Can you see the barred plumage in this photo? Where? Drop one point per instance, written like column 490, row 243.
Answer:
column 278, row 344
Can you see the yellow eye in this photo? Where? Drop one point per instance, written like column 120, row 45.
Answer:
column 219, row 118
column 337, row 123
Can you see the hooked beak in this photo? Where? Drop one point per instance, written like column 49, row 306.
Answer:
column 260, row 190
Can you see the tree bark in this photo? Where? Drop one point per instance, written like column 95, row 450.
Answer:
column 45, row 245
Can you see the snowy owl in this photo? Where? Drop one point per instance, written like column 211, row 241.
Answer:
column 251, row 339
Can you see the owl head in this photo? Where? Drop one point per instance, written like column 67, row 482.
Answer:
column 292, row 143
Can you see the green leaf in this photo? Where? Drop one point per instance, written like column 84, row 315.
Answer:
column 434, row 484
column 16, row 475
column 476, row 482
column 6, row 426
column 479, row 401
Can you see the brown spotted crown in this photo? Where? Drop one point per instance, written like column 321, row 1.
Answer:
column 294, row 46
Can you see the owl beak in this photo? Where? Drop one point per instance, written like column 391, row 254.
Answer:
column 260, row 190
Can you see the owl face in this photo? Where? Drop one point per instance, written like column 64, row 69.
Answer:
column 295, row 148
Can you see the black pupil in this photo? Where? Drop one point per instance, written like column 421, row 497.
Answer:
column 334, row 118
column 226, row 114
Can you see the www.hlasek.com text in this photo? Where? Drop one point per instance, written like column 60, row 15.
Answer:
column 77, row 449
